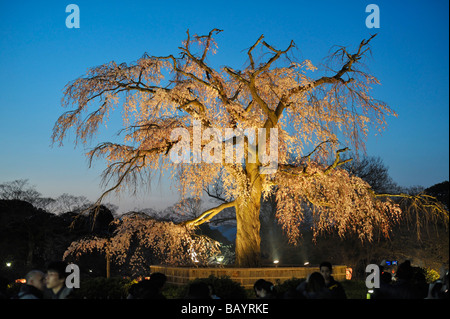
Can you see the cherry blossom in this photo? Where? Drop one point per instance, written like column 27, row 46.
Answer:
column 318, row 113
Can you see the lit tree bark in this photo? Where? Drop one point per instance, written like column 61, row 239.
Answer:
column 248, row 237
column 248, row 223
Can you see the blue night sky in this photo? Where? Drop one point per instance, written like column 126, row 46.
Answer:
column 39, row 55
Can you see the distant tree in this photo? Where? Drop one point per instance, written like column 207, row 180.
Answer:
column 189, row 208
column 149, row 211
column 67, row 203
column 440, row 191
column 92, row 221
column 373, row 170
column 112, row 208
column 19, row 189
column 31, row 235
column 185, row 208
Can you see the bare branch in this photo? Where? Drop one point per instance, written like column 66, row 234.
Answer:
column 208, row 41
column 337, row 78
column 277, row 55
column 337, row 161
column 252, row 63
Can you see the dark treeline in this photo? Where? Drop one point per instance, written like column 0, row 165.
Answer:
column 31, row 237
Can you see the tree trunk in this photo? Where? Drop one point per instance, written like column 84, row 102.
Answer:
column 108, row 259
column 108, row 265
column 247, row 237
column 248, row 240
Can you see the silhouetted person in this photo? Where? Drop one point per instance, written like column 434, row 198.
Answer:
column 439, row 288
column 148, row 289
column 385, row 291
column 293, row 293
column 56, row 281
column 159, row 280
column 212, row 292
column 34, row 286
column 337, row 291
column 444, row 292
column 198, row 290
column 411, row 282
column 264, row 289
column 314, row 287
column 3, row 288
column 135, row 291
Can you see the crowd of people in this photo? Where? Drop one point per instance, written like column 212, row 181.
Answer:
column 408, row 283
column 318, row 285
column 49, row 285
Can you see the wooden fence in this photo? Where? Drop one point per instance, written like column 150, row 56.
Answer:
column 245, row 276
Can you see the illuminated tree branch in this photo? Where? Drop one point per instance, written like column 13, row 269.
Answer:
column 209, row 214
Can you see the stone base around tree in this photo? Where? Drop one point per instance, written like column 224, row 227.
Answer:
column 244, row 276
